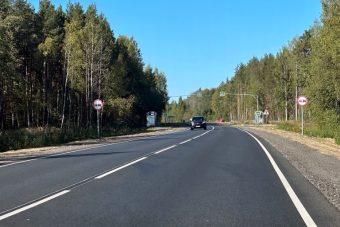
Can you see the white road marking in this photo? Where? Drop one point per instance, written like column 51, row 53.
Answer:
column 165, row 149
column 4, row 216
column 69, row 152
column 296, row 201
column 27, row 207
column 63, row 153
column 119, row 168
column 185, row 141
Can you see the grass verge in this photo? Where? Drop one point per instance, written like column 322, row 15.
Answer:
column 311, row 130
column 42, row 137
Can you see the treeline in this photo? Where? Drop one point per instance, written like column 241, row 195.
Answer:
column 54, row 63
column 309, row 65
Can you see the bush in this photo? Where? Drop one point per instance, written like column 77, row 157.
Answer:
column 289, row 126
column 337, row 136
column 315, row 130
column 39, row 137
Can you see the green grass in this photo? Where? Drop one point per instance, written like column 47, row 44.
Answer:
column 39, row 137
column 288, row 126
column 311, row 130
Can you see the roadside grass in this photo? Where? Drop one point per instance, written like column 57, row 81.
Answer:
column 41, row 137
column 311, row 130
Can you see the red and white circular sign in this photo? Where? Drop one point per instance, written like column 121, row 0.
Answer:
column 302, row 100
column 98, row 104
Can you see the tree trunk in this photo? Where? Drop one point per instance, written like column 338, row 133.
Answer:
column 27, row 97
column 66, row 68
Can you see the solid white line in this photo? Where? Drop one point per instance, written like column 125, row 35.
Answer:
column 2, row 217
column 119, row 168
column 296, row 201
column 14, row 163
column 185, row 141
column 63, row 153
column 165, row 149
column 196, row 137
column 83, row 149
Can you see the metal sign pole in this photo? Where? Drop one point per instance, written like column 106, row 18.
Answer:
column 98, row 105
column 302, row 100
column 302, row 119
column 98, row 124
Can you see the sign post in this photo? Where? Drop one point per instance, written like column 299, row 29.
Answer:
column 98, row 105
column 302, row 100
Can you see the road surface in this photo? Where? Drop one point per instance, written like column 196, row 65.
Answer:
column 222, row 176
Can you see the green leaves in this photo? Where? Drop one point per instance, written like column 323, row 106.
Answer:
column 54, row 64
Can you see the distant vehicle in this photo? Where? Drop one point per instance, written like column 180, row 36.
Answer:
column 198, row 122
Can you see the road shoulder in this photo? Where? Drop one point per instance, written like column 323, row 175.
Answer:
column 316, row 160
column 13, row 156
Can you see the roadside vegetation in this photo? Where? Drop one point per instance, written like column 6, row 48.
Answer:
column 43, row 137
column 55, row 62
column 310, row 129
column 309, row 65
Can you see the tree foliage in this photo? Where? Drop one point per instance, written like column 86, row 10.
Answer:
column 55, row 63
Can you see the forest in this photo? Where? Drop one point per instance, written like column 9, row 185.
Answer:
column 309, row 65
column 54, row 63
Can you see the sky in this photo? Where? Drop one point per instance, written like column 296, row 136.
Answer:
column 199, row 43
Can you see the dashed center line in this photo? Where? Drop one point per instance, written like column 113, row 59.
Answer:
column 165, row 149
column 44, row 200
column 119, row 168
column 185, row 141
column 33, row 205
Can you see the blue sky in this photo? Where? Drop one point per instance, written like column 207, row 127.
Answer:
column 199, row 43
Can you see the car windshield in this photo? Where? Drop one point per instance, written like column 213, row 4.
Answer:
column 197, row 118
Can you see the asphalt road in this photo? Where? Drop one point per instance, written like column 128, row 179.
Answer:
column 218, row 177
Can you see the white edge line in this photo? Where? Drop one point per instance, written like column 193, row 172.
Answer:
column 296, row 201
column 2, row 217
column 63, row 153
column 165, row 149
column 69, row 152
column 119, row 168
column 12, row 213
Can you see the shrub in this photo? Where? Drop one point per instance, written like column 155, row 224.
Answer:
column 40, row 137
column 288, row 126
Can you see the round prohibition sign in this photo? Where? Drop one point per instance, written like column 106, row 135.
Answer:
column 98, row 104
column 302, row 100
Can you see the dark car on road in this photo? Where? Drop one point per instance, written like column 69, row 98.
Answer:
column 198, row 122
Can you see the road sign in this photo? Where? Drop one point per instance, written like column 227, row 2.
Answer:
column 258, row 117
column 98, row 104
column 266, row 112
column 151, row 117
column 302, row 100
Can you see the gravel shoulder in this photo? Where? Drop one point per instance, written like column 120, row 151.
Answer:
column 316, row 159
column 11, row 156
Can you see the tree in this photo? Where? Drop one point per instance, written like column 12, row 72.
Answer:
column 50, row 50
